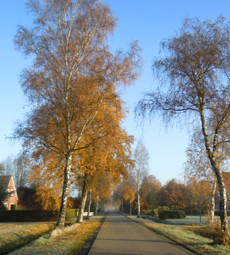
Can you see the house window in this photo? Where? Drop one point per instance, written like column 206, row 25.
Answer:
column 217, row 207
column 11, row 193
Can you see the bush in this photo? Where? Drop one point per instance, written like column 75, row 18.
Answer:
column 166, row 214
column 3, row 208
column 155, row 211
column 71, row 213
column 13, row 207
column 151, row 213
column 164, row 208
column 145, row 211
column 214, row 232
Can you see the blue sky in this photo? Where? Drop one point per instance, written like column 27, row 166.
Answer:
column 148, row 21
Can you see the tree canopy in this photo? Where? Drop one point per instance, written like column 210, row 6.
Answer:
column 194, row 81
column 72, row 77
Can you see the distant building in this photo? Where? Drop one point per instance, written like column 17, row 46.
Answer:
column 7, row 182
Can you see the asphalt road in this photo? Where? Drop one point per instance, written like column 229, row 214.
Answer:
column 120, row 235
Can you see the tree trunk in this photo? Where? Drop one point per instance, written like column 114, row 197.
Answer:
column 96, row 210
column 130, row 208
column 89, row 204
column 212, row 204
column 83, row 202
column 138, row 196
column 200, row 208
column 65, row 191
column 223, row 202
column 217, row 171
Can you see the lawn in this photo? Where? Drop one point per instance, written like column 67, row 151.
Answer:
column 186, row 234
column 14, row 235
column 189, row 220
column 68, row 242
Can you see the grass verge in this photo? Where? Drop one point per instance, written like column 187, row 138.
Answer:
column 13, row 236
column 68, row 242
column 189, row 239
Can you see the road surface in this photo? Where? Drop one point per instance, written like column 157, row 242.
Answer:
column 120, row 235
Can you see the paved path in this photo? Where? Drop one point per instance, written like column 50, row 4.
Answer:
column 120, row 235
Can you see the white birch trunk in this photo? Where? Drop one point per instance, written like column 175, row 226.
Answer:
column 89, row 204
column 83, row 202
column 65, row 191
column 216, row 169
column 212, row 206
column 96, row 210
column 138, row 196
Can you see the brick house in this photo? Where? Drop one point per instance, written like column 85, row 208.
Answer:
column 226, row 177
column 8, row 183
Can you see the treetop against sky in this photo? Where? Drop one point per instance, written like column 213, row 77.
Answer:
column 147, row 21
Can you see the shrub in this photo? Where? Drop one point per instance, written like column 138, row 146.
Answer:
column 214, row 232
column 71, row 213
column 13, row 207
column 167, row 214
column 164, row 208
column 151, row 213
column 155, row 212
column 143, row 212
column 3, row 208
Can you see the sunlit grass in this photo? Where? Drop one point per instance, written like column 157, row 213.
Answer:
column 16, row 235
column 189, row 239
column 67, row 242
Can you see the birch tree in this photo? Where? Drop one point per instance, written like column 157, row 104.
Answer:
column 141, row 157
column 71, row 76
column 18, row 166
column 194, row 75
column 109, row 159
column 198, row 165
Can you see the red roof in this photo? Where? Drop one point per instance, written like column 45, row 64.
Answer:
column 5, row 179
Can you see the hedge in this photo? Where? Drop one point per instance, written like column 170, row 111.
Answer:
column 165, row 214
column 33, row 215
column 71, row 213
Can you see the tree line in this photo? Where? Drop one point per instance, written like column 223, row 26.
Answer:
column 142, row 193
column 193, row 196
